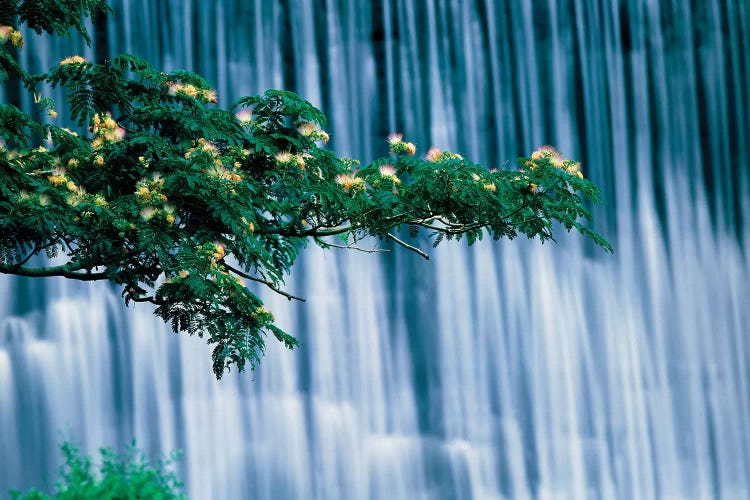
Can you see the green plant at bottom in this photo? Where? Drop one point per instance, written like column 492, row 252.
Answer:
column 127, row 475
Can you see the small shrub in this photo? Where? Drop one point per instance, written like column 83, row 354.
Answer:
column 127, row 475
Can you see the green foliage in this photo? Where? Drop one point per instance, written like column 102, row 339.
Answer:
column 51, row 16
column 121, row 476
column 178, row 200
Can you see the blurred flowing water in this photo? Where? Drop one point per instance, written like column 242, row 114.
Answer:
column 505, row 370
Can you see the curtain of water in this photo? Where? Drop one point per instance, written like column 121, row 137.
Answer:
column 508, row 370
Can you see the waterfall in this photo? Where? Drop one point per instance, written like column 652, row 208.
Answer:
column 504, row 370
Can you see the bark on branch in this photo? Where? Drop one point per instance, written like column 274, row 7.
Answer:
column 72, row 270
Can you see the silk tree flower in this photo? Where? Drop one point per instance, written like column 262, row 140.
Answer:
column 433, row 154
column 244, row 116
column 73, row 60
column 389, row 171
column 8, row 33
column 398, row 146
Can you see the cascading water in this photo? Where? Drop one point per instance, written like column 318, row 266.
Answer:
column 507, row 370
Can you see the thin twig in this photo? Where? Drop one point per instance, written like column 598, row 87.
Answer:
column 351, row 246
column 150, row 299
column 259, row 280
column 407, row 246
column 34, row 252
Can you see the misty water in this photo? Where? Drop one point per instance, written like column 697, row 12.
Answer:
column 504, row 370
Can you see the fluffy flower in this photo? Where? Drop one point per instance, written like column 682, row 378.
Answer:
column 72, row 60
column 74, row 200
column 8, row 33
column 548, row 150
column 16, row 39
column 244, row 116
column 287, row 159
column 310, row 130
column 100, row 201
column 5, row 32
column 106, row 129
column 573, row 168
column 211, row 96
column 433, row 154
column 190, row 90
column 205, row 95
column 58, row 177
column 157, row 181
column 116, row 135
column 203, row 146
column 143, row 192
column 555, row 158
column 219, row 251
column 307, row 129
column 345, row 181
column 389, row 171
column 350, row 182
column 284, row 157
column 398, row 146
column 148, row 213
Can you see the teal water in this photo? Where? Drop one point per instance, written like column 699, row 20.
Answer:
column 507, row 370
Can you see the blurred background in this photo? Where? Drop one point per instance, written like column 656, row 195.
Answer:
column 503, row 370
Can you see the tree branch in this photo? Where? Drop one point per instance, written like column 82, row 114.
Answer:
column 351, row 246
column 318, row 231
column 407, row 246
column 35, row 251
column 149, row 299
column 259, row 280
column 68, row 270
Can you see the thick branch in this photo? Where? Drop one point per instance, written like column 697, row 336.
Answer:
column 318, row 231
column 68, row 270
